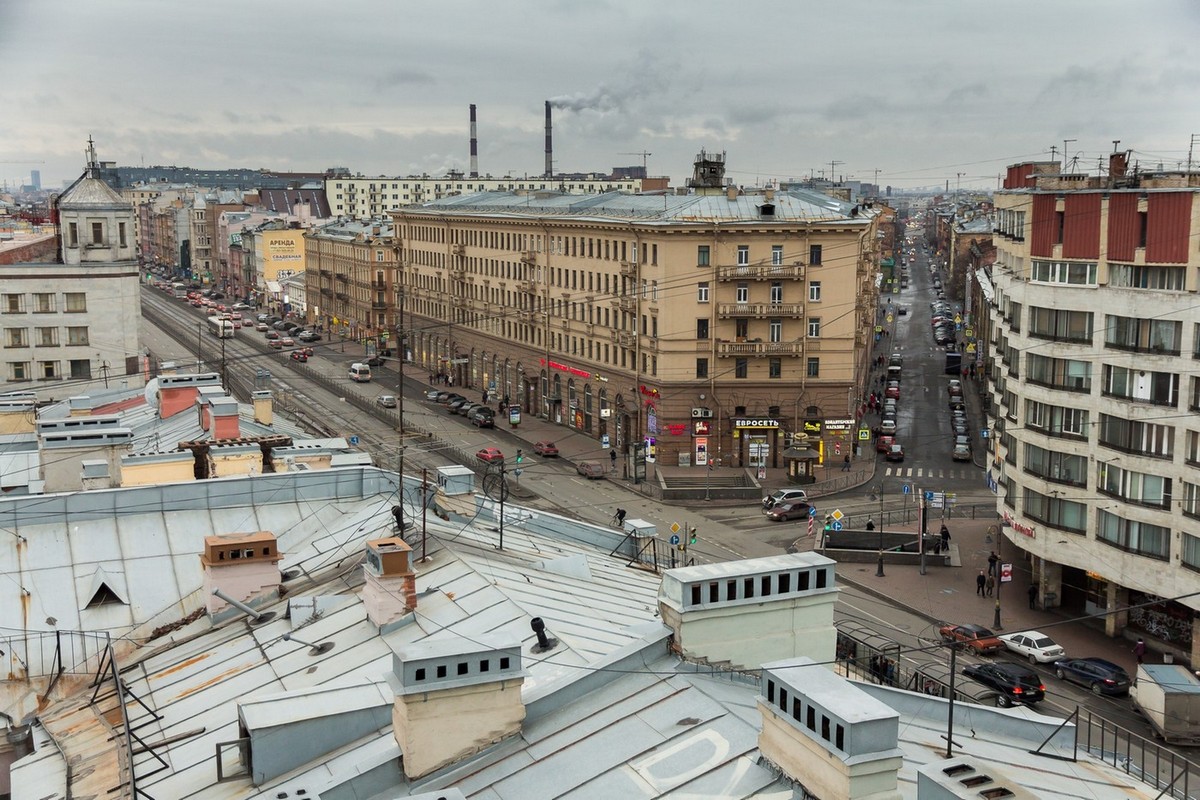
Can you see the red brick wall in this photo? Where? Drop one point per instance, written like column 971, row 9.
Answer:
column 39, row 251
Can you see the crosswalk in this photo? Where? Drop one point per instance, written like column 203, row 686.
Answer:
column 930, row 472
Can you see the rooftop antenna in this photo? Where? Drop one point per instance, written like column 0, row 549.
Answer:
column 1065, row 143
column 314, row 649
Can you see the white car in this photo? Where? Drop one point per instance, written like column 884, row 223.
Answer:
column 1034, row 645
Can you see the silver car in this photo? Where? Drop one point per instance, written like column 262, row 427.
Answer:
column 784, row 496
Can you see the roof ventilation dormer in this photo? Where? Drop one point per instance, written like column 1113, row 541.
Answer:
column 455, row 698
column 966, row 777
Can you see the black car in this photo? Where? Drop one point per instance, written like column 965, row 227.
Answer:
column 454, row 405
column 1016, row 683
column 375, row 361
column 1099, row 675
column 483, row 417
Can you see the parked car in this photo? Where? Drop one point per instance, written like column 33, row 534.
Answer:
column 892, row 391
column 955, row 388
column 546, row 449
column 1098, row 674
column 299, row 355
column 490, row 455
column 483, row 417
column 261, row 327
column 446, row 398
column 454, row 405
column 375, row 361
column 240, row 307
column 961, row 453
column 789, row 509
column 784, row 495
column 466, row 409
column 275, row 344
column 280, row 325
column 386, row 400
column 288, row 341
column 591, row 470
column 1016, row 683
column 976, row 637
column 884, row 443
column 432, row 394
column 1034, row 645
column 262, row 317
column 308, row 336
column 894, row 453
column 887, row 425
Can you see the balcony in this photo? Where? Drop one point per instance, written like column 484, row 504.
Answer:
column 458, row 249
column 458, row 271
column 756, row 349
column 345, row 298
column 761, row 272
column 622, row 338
column 529, row 285
column 629, row 269
column 760, row 310
column 342, row 278
column 326, row 291
column 378, row 286
column 625, row 302
column 528, row 257
column 379, row 304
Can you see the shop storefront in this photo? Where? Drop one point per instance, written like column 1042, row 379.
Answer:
column 756, row 440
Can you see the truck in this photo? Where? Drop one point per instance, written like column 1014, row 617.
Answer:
column 1168, row 696
column 221, row 327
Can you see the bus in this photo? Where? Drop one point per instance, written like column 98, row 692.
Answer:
column 221, row 327
column 179, row 290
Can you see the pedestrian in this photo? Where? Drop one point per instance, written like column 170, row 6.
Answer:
column 990, row 586
column 945, row 534
column 980, row 582
column 485, row 397
column 993, row 560
column 431, row 379
column 846, row 463
column 1033, row 595
column 612, row 459
column 1139, row 649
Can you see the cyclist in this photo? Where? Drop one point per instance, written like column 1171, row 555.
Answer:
column 619, row 518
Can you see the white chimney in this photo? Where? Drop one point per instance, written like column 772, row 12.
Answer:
column 244, row 566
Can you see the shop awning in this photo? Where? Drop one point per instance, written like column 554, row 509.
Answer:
column 273, row 287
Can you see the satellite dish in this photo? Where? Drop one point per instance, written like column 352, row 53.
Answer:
column 151, row 392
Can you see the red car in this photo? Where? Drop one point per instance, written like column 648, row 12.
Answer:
column 299, row 355
column 884, row 443
column 288, row 341
column 976, row 637
column 546, row 449
column 893, row 390
column 490, row 455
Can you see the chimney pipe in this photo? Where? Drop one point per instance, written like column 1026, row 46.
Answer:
column 549, row 144
column 474, row 146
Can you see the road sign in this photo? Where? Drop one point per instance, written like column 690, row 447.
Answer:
column 837, row 526
column 674, row 540
column 983, row 433
column 353, row 441
column 675, row 529
column 928, row 496
column 604, row 441
column 1006, row 573
column 864, row 434
column 908, row 488
column 837, row 514
column 812, row 511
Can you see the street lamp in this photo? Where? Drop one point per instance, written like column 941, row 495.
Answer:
column 999, row 564
column 879, row 567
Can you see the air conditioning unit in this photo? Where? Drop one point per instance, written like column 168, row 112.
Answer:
column 697, row 413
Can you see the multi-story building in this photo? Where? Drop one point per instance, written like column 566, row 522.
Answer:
column 709, row 325
column 70, row 321
column 351, row 279
column 365, row 198
column 206, row 210
column 1094, row 336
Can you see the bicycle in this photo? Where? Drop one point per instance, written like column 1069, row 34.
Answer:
column 618, row 519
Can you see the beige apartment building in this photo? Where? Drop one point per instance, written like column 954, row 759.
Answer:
column 706, row 326
column 349, row 280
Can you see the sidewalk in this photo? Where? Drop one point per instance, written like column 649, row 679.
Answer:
column 948, row 594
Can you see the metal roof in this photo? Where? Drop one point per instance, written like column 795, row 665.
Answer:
column 91, row 192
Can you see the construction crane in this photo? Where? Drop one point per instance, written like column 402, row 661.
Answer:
column 644, row 156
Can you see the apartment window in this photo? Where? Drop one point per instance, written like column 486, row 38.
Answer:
column 774, row 368
column 1059, row 373
column 81, row 368
column 701, row 329
column 1143, row 335
column 1062, row 326
column 18, row 370
column 45, row 337
column 740, row 367
column 1133, row 436
column 76, row 302
column 775, row 330
column 743, row 255
column 814, row 368
column 741, row 329
column 73, row 234
column 1191, row 500
column 1056, row 420
column 743, row 293
column 43, row 303
column 702, row 292
column 1191, row 551
column 814, row 327
column 48, row 370
column 121, row 233
column 1139, row 385
column 1135, row 537
column 702, row 256
column 16, row 337
column 1066, row 515
column 654, row 291
column 776, row 292
column 1133, row 487
column 97, row 233
column 776, row 255
column 1194, row 401
column 14, row 304
column 701, row 367
column 1129, row 276
column 1063, row 272
column 1056, row 466
column 77, row 335
column 814, row 255
column 814, row 291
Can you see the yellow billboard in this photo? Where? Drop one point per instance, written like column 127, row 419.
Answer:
column 282, row 254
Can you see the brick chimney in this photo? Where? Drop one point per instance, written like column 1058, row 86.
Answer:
column 244, row 566
column 224, row 413
column 390, row 591
column 455, row 698
column 177, row 393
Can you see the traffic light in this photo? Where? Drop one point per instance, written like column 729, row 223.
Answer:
column 520, row 456
column 692, row 535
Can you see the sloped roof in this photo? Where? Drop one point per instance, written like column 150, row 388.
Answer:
column 284, row 200
column 91, row 192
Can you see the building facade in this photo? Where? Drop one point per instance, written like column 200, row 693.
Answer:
column 1094, row 341
column 350, row 280
column 708, row 328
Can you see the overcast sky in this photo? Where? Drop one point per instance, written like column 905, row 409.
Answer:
column 921, row 90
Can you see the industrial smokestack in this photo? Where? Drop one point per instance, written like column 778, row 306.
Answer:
column 549, row 144
column 474, row 146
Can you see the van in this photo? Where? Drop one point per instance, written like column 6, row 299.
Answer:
column 893, row 373
column 360, row 373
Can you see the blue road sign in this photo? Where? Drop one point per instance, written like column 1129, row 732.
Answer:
column 928, row 496
column 812, row 511
column 353, row 441
column 984, row 433
column 674, row 539
column 908, row 488
column 837, row 526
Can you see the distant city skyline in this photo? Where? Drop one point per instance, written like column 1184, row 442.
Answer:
column 928, row 94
